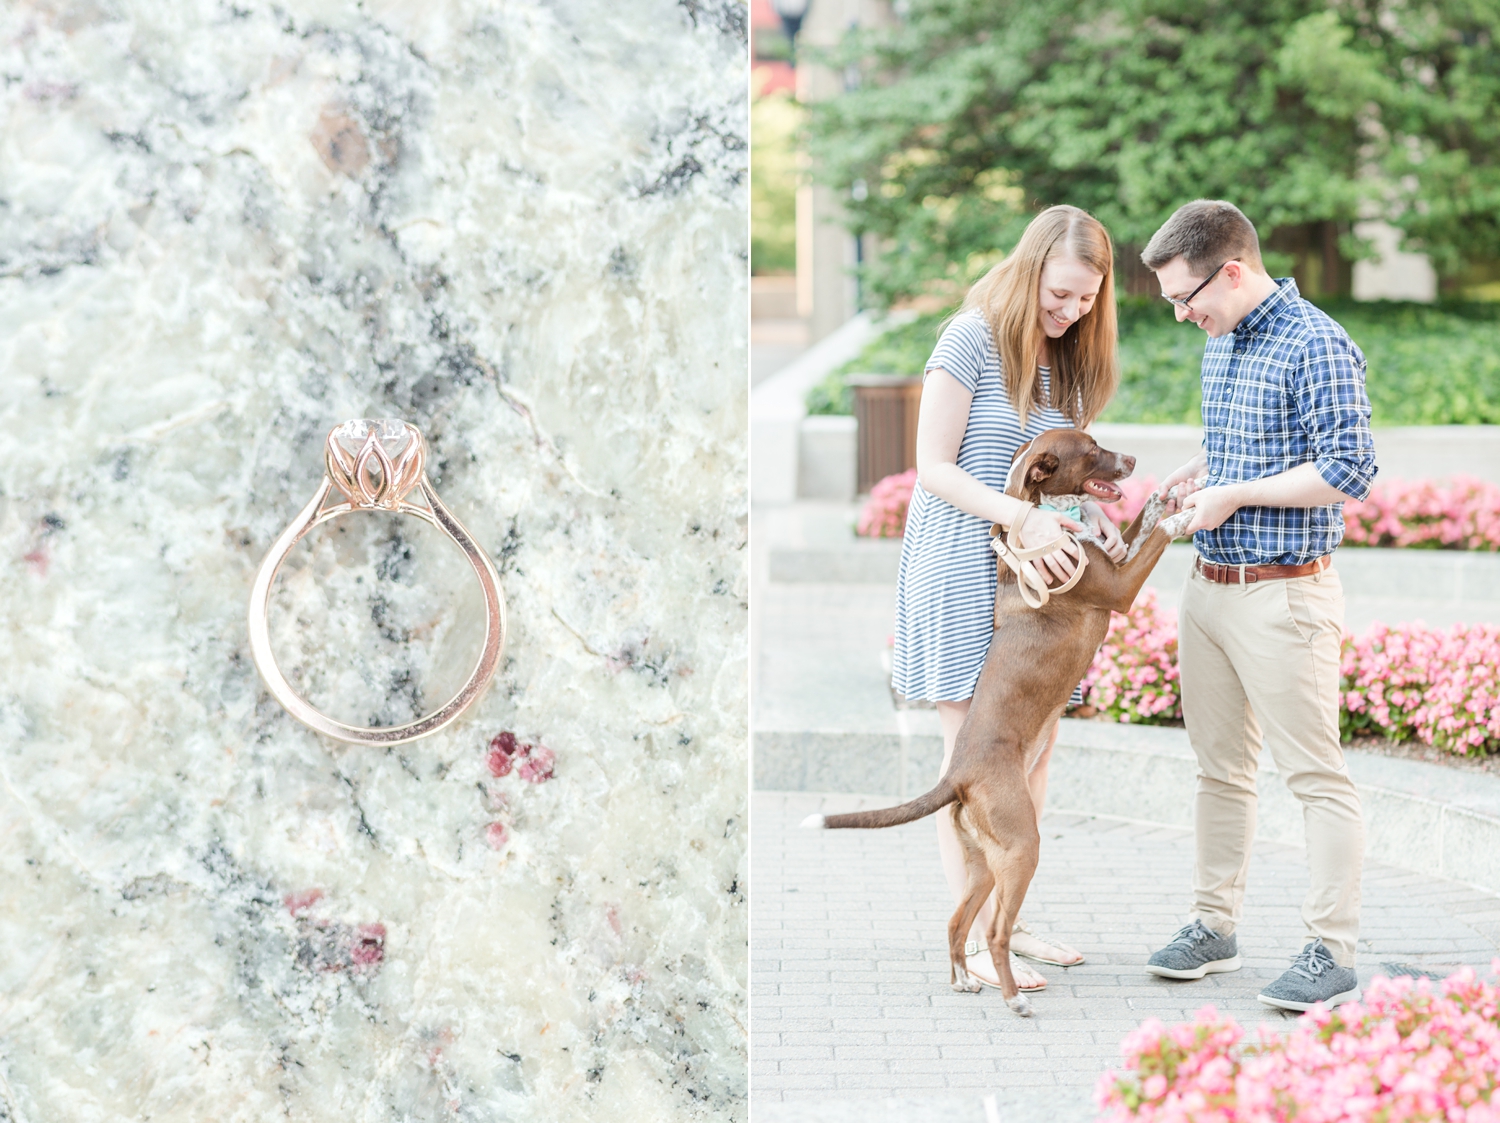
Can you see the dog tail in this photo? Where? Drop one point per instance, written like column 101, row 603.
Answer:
column 919, row 808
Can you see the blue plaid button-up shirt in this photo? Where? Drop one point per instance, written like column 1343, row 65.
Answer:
column 1286, row 387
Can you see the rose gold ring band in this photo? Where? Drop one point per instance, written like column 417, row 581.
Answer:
column 375, row 465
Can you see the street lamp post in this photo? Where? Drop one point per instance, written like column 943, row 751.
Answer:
column 792, row 13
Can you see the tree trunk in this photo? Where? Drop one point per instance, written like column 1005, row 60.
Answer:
column 1132, row 278
column 1318, row 267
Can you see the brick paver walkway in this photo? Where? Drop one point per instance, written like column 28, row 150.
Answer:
column 852, row 1018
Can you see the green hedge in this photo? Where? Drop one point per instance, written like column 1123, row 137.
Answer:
column 1428, row 364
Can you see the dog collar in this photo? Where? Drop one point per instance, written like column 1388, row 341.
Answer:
column 1070, row 506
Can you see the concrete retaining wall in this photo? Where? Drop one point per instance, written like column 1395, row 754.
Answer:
column 783, row 469
column 1417, row 453
column 1424, row 817
column 1404, row 453
column 827, row 458
column 1444, row 576
column 777, row 411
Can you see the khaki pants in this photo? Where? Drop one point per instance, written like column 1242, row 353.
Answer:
column 1261, row 661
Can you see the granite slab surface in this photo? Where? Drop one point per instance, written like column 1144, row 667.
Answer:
column 225, row 228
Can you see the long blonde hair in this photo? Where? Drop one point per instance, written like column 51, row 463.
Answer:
column 1085, row 361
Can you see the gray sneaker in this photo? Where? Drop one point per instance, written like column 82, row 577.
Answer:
column 1312, row 978
column 1195, row 951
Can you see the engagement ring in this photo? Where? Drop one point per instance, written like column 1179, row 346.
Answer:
column 375, row 465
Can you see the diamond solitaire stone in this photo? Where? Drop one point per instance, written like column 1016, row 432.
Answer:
column 392, row 435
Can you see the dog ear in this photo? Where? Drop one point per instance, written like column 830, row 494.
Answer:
column 1042, row 465
column 1016, row 473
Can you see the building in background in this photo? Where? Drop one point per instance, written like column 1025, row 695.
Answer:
column 821, row 290
column 778, row 332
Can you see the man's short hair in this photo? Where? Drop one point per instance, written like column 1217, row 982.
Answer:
column 1205, row 233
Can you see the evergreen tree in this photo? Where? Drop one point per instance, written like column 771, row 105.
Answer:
column 971, row 114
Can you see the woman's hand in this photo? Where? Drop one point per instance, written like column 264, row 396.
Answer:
column 1041, row 527
column 1105, row 529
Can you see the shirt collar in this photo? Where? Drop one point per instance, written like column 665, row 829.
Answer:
column 1267, row 309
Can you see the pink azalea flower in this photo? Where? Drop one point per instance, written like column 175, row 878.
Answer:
column 884, row 515
column 1460, row 514
column 1441, row 688
column 1412, row 1051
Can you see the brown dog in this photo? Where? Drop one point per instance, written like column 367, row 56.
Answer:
column 1035, row 659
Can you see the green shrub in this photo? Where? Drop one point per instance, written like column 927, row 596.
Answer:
column 831, row 396
column 1428, row 364
column 901, row 350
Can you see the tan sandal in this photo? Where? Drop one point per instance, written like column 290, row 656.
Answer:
column 1022, row 942
column 976, row 948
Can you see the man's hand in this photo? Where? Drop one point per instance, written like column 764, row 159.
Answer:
column 1185, row 480
column 1105, row 529
column 1301, row 486
column 1210, row 507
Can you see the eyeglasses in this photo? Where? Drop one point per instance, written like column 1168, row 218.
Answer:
column 1186, row 301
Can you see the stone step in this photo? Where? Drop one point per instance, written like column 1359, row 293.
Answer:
column 1017, row 1105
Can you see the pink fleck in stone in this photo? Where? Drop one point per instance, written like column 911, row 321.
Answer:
column 300, row 902
column 533, row 763
column 496, row 835
column 324, row 945
column 612, row 915
column 37, row 560
column 368, row 947
column 536, row 768
column 502, row 754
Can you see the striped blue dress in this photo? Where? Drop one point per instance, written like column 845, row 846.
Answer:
column 945, row 592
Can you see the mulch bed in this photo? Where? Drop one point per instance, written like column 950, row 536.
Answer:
column 1415, row 750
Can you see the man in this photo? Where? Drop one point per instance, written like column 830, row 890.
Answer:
column 1286, row 425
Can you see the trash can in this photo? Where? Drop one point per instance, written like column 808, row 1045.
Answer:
column 885, row 409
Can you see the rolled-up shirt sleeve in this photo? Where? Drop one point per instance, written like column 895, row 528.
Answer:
column 1334, row 410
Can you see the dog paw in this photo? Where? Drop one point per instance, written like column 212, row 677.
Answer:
column 1176, row 524
column 1020, row 1004
column 812, row 823
column 964, row 983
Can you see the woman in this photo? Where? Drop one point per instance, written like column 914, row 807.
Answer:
column 1033, row 348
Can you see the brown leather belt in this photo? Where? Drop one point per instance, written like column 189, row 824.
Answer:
column 1230, row 574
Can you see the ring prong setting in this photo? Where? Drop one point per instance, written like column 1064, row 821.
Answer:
column 375, row 463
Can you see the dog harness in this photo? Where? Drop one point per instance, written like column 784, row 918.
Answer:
column 1034, row 589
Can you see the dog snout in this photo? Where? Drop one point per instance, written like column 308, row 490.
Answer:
column 1120, row 464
